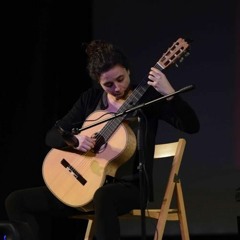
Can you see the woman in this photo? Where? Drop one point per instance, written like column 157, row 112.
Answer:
column 114, row 93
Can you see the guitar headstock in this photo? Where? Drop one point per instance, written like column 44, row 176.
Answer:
column 175, row 53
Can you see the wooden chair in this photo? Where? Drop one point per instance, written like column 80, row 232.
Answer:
column 165, row 212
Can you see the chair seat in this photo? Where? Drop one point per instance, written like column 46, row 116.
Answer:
column 154, row 213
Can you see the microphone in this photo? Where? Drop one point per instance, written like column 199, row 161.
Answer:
column 68, row 137
column 187, row 88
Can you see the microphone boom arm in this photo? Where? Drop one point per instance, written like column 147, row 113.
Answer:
column 184, row 89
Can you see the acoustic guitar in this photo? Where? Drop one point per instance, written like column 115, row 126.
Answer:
column 72, row 176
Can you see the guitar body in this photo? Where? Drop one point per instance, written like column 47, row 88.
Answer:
column 73, row 177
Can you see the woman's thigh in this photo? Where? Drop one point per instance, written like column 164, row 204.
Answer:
column 123, row 195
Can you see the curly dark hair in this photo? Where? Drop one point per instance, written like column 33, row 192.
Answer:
column 102, row 56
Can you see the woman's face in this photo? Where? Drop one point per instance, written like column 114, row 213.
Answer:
column 116, row 82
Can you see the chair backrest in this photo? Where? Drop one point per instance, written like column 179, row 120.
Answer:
column 174, row 150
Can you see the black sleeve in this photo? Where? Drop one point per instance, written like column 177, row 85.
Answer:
column 180, row 114
column 74, row 118
column 177, row 112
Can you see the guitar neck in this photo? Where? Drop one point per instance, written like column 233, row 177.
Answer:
column 137, row 93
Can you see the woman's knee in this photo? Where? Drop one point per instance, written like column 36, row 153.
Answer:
column 100, row 195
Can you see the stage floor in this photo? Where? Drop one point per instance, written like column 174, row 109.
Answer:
column 205, row 237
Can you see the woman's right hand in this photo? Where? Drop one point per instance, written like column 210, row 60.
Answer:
column 85, row 143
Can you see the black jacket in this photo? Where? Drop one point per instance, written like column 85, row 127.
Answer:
column 175, row 112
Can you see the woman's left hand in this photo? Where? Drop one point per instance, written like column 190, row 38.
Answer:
column 159, row 81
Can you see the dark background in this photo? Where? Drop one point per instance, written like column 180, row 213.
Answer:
column 46, row 73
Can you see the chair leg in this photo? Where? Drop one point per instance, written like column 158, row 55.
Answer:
column 89, row 230
column 164, row 211
column 182, row 213
column 161, row 223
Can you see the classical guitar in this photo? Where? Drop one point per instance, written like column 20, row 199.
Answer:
column 73, row 177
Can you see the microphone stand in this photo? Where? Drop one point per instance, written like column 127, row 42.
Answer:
column 140, row 144
column 141, row 168
column 185, row 89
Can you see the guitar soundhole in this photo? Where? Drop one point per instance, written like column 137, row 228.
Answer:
column 100, row 143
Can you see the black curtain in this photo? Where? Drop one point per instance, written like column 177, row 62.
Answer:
column 46, row 69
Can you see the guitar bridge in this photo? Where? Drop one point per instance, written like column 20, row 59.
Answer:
column 73, row 171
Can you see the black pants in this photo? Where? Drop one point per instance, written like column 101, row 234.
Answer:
column 25, row 208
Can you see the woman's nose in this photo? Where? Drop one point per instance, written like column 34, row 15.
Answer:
column 116, row 87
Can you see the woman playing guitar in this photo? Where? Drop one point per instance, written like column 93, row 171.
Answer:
column 98, row 168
